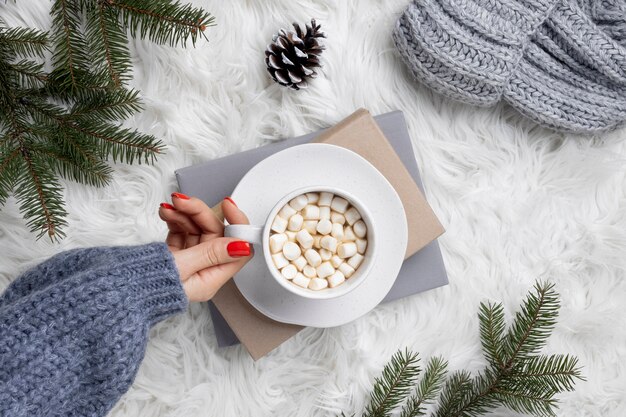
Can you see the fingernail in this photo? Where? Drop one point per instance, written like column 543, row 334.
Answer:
column 231, row 200
column 181, row 196
column 167, row 206
column 238, row 248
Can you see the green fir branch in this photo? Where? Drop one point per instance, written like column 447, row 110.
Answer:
column 74, row 162
column 108, row 43
column 521, row 402
column 14, row 122
column 67, row 122
column 15, row 119
column 532, row 325
column 22, row 41
column 528, row 333
column 491, row 318
column 68, row 43
column 76, row 87
column 480, row 398
column 122, row 144
column 454, row 393
column 9, row 166
column 39, row 196
column 427, row 389
column 163, row 21
column 110, row 105
column 31, row 179
column 516, row 377
column 554, row 372
column 28, row 74
column 394, row 385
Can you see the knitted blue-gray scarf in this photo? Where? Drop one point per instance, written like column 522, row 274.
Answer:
column 562, row 63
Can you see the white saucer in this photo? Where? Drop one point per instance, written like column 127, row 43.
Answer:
column 323, row 165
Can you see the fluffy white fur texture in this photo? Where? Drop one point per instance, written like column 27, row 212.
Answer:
column 519, row 203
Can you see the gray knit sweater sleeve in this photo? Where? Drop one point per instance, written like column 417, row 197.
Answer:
column 73, row 330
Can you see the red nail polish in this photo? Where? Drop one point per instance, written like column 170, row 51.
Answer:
column 181, row 196
column 167, row 206
column 238, row 248
column 231, row 200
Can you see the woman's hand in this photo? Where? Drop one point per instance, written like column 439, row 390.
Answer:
column 204, row 257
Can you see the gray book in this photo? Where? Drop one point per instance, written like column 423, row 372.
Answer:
column 213, row 180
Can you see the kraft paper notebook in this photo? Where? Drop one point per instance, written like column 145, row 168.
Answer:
column 385, row 142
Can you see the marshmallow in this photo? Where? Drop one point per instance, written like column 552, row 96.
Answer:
column 318, row 240
column 280, row 261
column 337, row 218
column 295, row 222
column 337, row 231
column 291, row 251
column 352, row 215
column 277, row 241
column 310, row 226
column 300, row 263
column 361, row 245
column 279, row 224
column 299, row 202
column 312, row 197
column 339, row 204
column 348, row 234
column 336, row 279
column 309, row 271
column 325, row 199
column 291, row 236
column 289, row 271
column 324, row 227
column 355, row 261
column 301, row 281
column 311, row 213
column 360, row 229
column 346, row 269
column 346, row 250
column 335, row 261
column 305, row 239
column 318, row 284
column 325, row 270
column 313, row 257
column 287, row 211
column 329, row 243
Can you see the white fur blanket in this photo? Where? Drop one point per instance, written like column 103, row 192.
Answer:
column 519, row 203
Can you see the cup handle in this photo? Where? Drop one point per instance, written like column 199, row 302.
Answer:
column 249, row 233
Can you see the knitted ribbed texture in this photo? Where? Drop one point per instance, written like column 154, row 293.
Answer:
column 560, row 62
column 73, row 330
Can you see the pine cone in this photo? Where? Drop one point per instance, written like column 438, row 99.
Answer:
column 292, row 56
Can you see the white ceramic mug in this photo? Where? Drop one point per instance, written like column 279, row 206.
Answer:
column 259, row 235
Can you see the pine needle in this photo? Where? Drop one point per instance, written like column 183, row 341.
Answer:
column 491, row 317
column 394, row 385
column 67, row 122
column 23, row 41
column 454, row 394
column 517, row 376
column 163, row 21
column 429, row 386
column 532, row 325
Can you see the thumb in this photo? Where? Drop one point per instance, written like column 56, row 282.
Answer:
column 213, row 252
